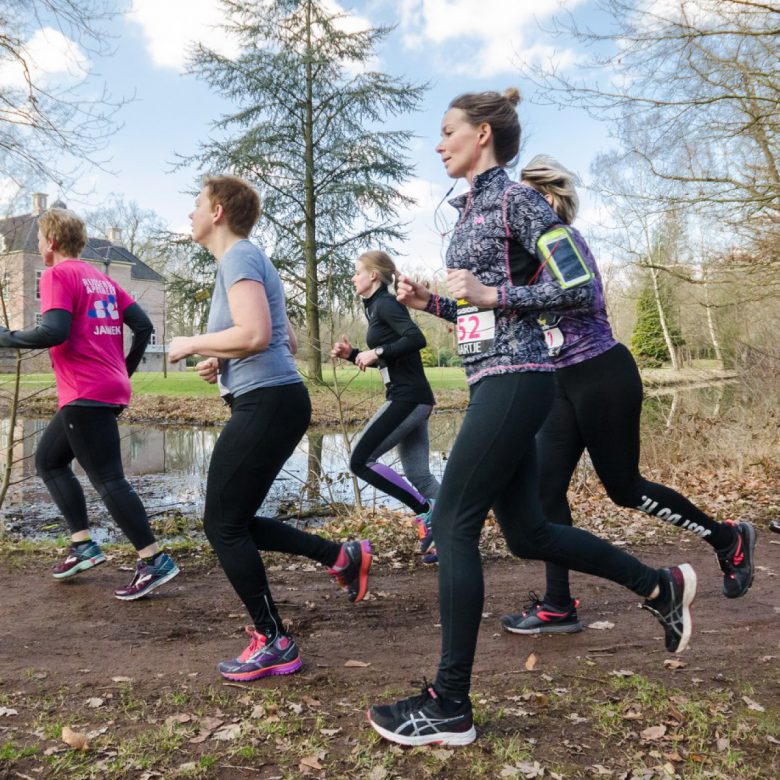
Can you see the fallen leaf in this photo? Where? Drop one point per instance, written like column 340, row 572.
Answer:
column 722, row 744
column 95, row 702
column 295, row 707
column 530, row 769
column 356, row 664
column 675, row 663
column 442, row 755
column 329, row 732
column 258, row 711
column 509, row 771
column 752, row 705
column 207, row 728
column 311, row 702
column 530, row 662
column 621, row 673
column 601, row 771
column 227, row 733
column 121, row 679
column 601, row 625
column 310, row 762
column 377, row 773
column 6, row 712
column 179, row 717
column 653, row 733
column 74, row 739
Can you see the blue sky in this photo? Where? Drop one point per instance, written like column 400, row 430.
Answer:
column 455, row 45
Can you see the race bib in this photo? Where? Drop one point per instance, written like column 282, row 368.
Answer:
column 476, row 329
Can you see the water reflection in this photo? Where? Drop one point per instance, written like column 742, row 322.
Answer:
column 168, row 466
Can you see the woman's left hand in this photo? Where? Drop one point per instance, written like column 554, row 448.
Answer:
column 365, row 359
column 463, row 284
column 180, row 348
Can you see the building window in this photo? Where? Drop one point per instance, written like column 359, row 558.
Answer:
column 38, row 275
column 153, row 338
column 38, row 318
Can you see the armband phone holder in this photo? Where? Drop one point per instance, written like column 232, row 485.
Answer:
column 560, row 254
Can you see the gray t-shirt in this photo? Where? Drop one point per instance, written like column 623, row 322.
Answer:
column 274, row 365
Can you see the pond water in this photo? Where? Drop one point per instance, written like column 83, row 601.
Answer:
column 168, row 465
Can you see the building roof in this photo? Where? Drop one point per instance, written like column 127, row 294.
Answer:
column 20, row 234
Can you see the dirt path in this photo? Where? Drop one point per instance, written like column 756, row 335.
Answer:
column 64, row 644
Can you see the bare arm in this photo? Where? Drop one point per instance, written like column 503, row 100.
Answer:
column 249, row 334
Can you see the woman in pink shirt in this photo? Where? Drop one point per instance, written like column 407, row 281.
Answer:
column 83, row 314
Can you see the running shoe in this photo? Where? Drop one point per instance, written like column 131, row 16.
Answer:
column 147, row 577
column 673, row 607
column 540, row 617
column 262, row 658
column 774, row 525
column 421, row 720
column 80, row 558
column 737, row 562
column 425, row 534
column 354, row 575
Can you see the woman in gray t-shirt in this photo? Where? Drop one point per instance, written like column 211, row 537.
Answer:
column 248, row 354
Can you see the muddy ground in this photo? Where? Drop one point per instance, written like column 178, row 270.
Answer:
column 138, row 679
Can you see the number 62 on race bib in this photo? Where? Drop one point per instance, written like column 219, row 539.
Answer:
column 476, row 329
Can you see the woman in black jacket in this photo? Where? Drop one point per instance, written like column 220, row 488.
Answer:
column 394, row 344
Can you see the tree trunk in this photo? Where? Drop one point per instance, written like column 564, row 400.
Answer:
column 662, row 320
column 711, row 321
column 310, row 245
column 13, row 405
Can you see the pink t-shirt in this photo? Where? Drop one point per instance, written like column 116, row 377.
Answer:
column 91, row 362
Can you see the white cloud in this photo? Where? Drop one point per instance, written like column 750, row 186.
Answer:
column 482, row 37
column 52, row 60
column 426, row 246
column 172, row 27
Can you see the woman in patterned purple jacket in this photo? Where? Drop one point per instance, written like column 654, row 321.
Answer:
column 491, row 260
column 597, row 405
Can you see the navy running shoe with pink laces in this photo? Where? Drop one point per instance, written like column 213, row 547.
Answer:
column 263, row 658
column 352, row 567
column 81, row 557
column 539, row 617
column 736, row 563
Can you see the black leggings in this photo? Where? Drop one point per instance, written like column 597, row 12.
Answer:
column 597, row 407
column 401, row 424
column 91, row 435
column 493, row 464
column 264, row 428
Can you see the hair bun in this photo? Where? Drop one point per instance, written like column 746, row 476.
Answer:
column 512, row 94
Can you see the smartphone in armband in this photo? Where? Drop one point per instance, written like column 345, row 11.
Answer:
column 560, row 254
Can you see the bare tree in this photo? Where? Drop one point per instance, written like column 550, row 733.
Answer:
column 692, row 91
column 50, row 126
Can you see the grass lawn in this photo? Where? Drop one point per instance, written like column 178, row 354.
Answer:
column 187, row 384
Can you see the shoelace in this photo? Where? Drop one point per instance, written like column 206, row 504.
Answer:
column 258, row 642
column 533, row 602
column 416, row 702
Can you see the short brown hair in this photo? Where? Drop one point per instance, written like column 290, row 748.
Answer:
column 498, row 111
column 239, row 201
column 379, row 261
column 65, row 229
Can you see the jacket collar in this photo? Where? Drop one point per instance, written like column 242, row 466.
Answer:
column 481, row 182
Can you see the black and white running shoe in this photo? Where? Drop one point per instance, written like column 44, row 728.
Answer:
column 421, row 720
column 673, row 607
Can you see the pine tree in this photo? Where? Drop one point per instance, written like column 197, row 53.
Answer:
column 311, row 132
column 647, row 341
